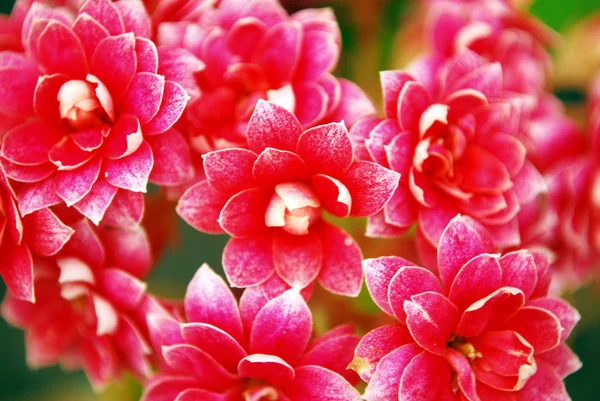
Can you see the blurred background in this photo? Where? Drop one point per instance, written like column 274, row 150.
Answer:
column 376, row 36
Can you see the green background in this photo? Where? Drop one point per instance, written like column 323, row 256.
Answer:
column 18, row 383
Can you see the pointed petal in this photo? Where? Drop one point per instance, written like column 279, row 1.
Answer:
column 326, row 149
column 478, row 278
column 379, row 273
column 229, row 171
column 315, row 382
column 425, row 378
column 272, row 126
column 214, row 341
column 371, row 187
column 297, row 258
column 45, row 233
column 200, row 207
column 409, row 281
column 131, row 172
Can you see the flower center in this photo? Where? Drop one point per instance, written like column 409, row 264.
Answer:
column 258, row 390
column 464, row 347
column 294, row 207
column 85, row 104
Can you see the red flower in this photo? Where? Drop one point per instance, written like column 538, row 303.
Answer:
column 222, row 353
column 252, row 49
column 96, row 102
column 40, row 233
column 483, row 330
column 270, row 199
column 90, row 306
column 498, row 32
column 452, row 135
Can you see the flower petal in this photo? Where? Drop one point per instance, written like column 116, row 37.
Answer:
column 174, row 100
column 243, row 215
column 45, row 233
column 275, row 166
column 269, row 368
column 371, row 187
column 200, row 207
column 538, row 326
column 73, row 185
column 114, row 63
column 317, row 383
column 131, row 172
column 409, row 281
column 216, row 342
column 272, row 126
column 326, row 149
column 426, row 378
column 71, row 58
column 297, row 258
column 229, row 171
column 478, row 278
column 248, row 262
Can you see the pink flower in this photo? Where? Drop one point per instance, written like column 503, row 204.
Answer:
column 90, row 306
column 453, row 136
column 254, row 50
column 483, row 330
column 270, row 199
column 222, row 353
column 96, row 102
column 40, row 233
column 498, row 32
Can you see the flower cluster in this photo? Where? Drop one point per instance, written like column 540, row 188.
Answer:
column 229, row 113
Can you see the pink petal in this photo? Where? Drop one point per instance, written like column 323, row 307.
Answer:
column 282, row 327
column 354, row 104
column 216, row 342
column 163, row 330
column 86, row 243
column 177, row 65
column 319, row 55
column 334, row 354
column 125, row 137
column 412, row 103
column 341, row 272
column 546, row 384
column 73, row 185
column 16, row 269
column 483, row 172
column 29, row 143
column 272, row 126
column 33, row 197
column 129, row 250
column 209, row 300
column 333, row 194
column 378, row 140
column 67, row 155
column 244, row 35
column 196, row 394
column 131, row 172
column 70, row 60
column 126, row 210
column 509, row 150
column 147, row 56
column 377, row 227
column 123, row 289
column 562, row 359
column 431, row 318
column 314, row 382
column 465, row 378
column 229, row 171
column 379, row 273
column 200, row 207
column 297, row 259
column 135, row 18
column 269, row 368
column 244, row 213
column 144, row 96
column 425, row 378
column 505, row 353
column 190, row 360
column 17, row 90
column 326, row 149
column 172, row 159
column 167, row 388
column 519, row 271
column 462, row 240
column 91, row 139
column 278, row 52
column 401, row 210
column 385, row 382
column 409, row 281
column 114, row 63
column 359, row 133
column 95, row 203
column 275, row 166
column 30, row 174
column 478, row 278
column 375, row 345
column 399, row 152
column 494, row 310
column 90, row 33
column 45, row 233
column 566, row 314
column 174, row 100
column 310, row 103
column 539, row 327
column 106, row 13
column 392, row 83
column 371, row 187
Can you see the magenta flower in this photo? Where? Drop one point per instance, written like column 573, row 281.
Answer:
column 252, row 49
column 212, row 357
column 453, row 136
column 40, row 233
column 90, row 306
column 270, row 199
column 497, row 31
column 483, row 330
column 94, row 103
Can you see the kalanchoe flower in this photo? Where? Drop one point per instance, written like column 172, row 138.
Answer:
column 90, row 306
column 254, row 50
column 40, row 233
column 221, row 353
column 483, row 330
column 497, row 31
column 270, row 199
column 99, row 102
column 453, row 136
